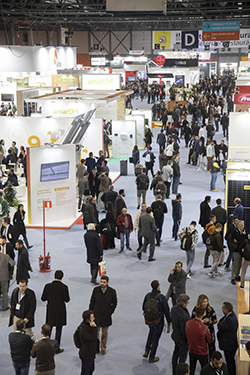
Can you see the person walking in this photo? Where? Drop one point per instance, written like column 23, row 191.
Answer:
column 176, row 174
column 23, row 263
column 142, row 182
column 20, row 348
column 107, row 228
column 155, row 307
column 94, row 250
column 140, row 212
column 214, row 169
column 83, row 188
column 85, row 338
column 161, row 140
column 9, row 231
column 18, row 221
column 44, row 351
column 23, row 306
column 135, row 155
column 205, row 211
column 103, row 302
column 176, row 215
column 5, row 263
column 56, row 294
column 216, row 250
column 148, row 231
column 125, row 225
column 159, row 208
column 177, row 279
column 227, row 336
column 209, row 319
column 198, row 337
column 149, row 161
column 180, row 315
column 105, row 182
column 109, row 196
column 167, row 174
column 189, row 237
column 230, row 242
column 120, row 202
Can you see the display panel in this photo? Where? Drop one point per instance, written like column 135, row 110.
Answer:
column 7, row 97
column 54, row 171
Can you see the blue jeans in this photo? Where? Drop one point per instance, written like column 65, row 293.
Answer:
column 213, row 181
column 123, row 236
column 175, row 185
column 175, row 228
column 154, row 336
column 190, row 259
column 21, row 368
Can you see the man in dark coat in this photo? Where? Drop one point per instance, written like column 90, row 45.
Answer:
column 109, row 196
column 56, row 293
column 90, row 213
column 23, row 306
column 94, row 251
column 177, row 279
column 103, row 302
column 148, row 231
column 205, row 211
column 120, row 202
column 179, row 316
column 227, row 336
column 9, row 231
column 85, row 338
column 161, row 140
column 23, row 263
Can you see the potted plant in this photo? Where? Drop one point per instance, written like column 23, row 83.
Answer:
column 10, row 195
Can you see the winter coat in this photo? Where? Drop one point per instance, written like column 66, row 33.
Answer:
column 176, row 209
column 103, row 305
column 94, row 246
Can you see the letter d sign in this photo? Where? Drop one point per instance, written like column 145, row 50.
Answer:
column 189, row 39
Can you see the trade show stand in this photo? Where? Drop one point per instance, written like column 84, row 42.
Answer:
column 243, row 307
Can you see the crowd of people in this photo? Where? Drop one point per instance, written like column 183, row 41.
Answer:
column 8, row 109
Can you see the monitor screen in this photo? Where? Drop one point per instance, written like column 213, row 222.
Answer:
column 54, row 171
column 7, row 97
column 131, row 79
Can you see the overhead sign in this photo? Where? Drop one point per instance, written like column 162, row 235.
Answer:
column 244, row 76
column 101, row 82
column 241, row 98
column 162, row 39
column 219, row 26
column 160, row 60
column 190, row 39
column 211, row 36
column 181, row 63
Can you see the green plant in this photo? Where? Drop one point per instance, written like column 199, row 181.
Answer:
column 10, row 195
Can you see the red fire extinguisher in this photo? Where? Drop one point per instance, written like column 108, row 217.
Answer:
column 47, row 262
column 41, row 263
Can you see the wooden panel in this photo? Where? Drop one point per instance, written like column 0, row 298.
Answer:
column 85, row 60
column 244, row 320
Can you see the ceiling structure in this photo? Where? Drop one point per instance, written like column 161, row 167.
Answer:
column 92, row 15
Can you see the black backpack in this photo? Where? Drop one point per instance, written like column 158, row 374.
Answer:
column 187, row 240
column 205, row 234
column 151, row 309
column 158, row 211
column 76, row 338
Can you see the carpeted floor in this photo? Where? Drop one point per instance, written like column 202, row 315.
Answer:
column 130, row 277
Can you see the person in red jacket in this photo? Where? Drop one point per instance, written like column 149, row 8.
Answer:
column 198, row 337
column 125, row 225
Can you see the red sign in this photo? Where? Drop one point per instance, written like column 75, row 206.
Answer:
column 241, row 98
column 160, row 60
column 47, row 204
column 214, row 36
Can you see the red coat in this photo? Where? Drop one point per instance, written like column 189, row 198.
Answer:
column 121, row 223
column 198, row 337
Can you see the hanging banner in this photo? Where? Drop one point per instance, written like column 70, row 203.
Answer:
column 190, row 39
column 162, row 39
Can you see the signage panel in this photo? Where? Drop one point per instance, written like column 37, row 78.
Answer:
column 241, row 98
column 221, row 26
column 211, row 36
column 183, row 63
column 162, row 39
column 190, row 39
column 101, row 82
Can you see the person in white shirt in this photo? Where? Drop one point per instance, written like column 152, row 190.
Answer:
column 210, row 153
column 167, row 173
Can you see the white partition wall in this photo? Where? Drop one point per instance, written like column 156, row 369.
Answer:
column 140, row 129
column 123, row 138
column 147, row 114
column 51, row 177
column 239, row 136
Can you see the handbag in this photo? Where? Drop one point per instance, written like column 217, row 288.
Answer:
column 102, row 268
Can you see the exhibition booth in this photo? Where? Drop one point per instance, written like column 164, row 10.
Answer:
column 139, row 129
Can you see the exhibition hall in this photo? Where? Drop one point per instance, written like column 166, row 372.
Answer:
column 125, row 187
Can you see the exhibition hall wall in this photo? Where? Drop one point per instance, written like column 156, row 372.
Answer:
column 239, row 135
column 51, row 177
column 28, row 132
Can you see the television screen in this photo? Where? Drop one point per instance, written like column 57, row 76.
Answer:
column 54, row 171
column 7, row 97
column 131, row 79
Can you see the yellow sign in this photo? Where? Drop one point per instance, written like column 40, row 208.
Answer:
column 162, row 39
column 246, row 187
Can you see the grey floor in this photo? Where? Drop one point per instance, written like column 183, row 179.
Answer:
column 130, row 277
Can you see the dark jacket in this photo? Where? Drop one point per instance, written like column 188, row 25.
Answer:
column 44, row 351
column 239, row 211
column 216, row 241
column 220, row 213
column 119, row 205
column 163, row 307
column 161, row 139
column 109, row 196
column 56, row 293
column 88, row 341
column 90, row 214
column 205, row 211
column 176, row 209
column 90, row 164
column 136, row 156
column 177, row 280
column 227, row 332
column 210, row 370
column 103, row 305
column 28, row 307
column 20, row 347
column 142, row 182
column 230, row 235
column 244, row 249
column 94, row 246
column 23, row 265
column 239, row 237
column 176, row 169
column 214, row 167
column 18, row 222
column 180, row 316
column 11, row 234
column 147, row 226
column 159, row 208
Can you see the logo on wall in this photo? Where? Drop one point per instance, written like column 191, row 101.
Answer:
column 242, row 99
column 69, row 111
column 160, row 60
column 190, row 39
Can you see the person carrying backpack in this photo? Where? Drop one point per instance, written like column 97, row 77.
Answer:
column 149, row 160
column 155, row 307
column 189, row 237
column 209, row 228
